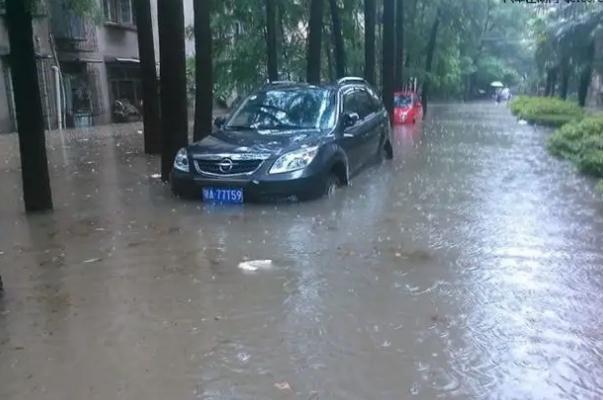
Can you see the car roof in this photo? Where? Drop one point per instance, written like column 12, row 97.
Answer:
column 342, row 83
column 405, row 93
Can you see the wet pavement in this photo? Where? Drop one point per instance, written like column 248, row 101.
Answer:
column 470, row 267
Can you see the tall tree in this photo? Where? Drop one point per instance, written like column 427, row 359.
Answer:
column 271, row 42
column 370, row 13
column 174, row 118
column 586, row 74
column 28, row 107
column 431, row 46
column 399, row 44
column 337, row 39
column 552, row 81
column 148, row 70
column 204, row 97
column 314, row 41
column 565, row 76
column 389, row 50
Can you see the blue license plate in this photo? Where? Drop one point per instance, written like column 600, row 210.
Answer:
column 223, row 195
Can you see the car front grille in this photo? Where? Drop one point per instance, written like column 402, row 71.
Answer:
column 227, row 166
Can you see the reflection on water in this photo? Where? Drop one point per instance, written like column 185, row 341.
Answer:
column 469, row 267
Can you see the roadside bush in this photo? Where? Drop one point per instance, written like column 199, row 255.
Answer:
column 582, row 143
column 548, row 111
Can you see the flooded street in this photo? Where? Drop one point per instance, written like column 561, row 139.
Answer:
column 470, row 267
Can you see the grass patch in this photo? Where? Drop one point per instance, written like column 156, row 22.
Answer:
column 548, row 111
column 582, row 143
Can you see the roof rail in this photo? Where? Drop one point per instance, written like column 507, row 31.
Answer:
column 280, row 83
column 351, row 79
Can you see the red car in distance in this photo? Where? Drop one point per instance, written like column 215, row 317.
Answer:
column 407, row 108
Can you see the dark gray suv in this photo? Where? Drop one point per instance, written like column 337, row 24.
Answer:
column 287, row 140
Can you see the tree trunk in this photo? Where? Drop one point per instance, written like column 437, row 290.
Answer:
column 547, row 83
column 174, row 118
column 329, row 56
column 28, row 107
column 399, row 44
column 551, row 80
column 585, row 77
column 337, row 40
column 429, row 62
column 389, row 50
column 204, row 95
column 586, row 74
column 315, row 41
column 271, row 42
column 554, row 74
column 148, row 72
column 284, row 49
column 370, row 16
column 565, row 75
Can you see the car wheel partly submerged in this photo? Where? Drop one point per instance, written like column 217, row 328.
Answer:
column 387, row 152
column 331, row 185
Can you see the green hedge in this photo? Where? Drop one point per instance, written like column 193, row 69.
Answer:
column 549, row 111
column 582, row 143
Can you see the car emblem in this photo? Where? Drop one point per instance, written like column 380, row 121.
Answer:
column 225, row 165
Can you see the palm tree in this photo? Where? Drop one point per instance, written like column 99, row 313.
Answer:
column 28, row 107
column 174, row 118
column 314, row 41
column 148, row 70
column 203, row 70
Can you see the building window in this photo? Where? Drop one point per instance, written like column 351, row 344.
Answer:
column 118, row 11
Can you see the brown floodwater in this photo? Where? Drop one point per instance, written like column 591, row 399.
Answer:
column 470, row 267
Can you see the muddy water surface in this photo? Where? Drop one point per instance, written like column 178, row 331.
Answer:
column 470, row 267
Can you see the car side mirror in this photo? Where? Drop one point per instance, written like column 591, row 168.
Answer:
column 219, row 122
column 350, row 119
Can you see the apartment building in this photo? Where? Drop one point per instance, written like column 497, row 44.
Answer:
column 96, row 61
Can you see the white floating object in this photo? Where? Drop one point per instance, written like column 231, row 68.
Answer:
column 523, row 122
column 255, row 265
column 156, row 176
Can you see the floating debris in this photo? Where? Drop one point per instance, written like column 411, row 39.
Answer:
column 282, row 386
column 255, row 265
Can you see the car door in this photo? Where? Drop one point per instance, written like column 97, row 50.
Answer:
column 353, row 140
column 376, row 124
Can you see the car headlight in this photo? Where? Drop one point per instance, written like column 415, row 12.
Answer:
column 181, row 161
column 295, row 160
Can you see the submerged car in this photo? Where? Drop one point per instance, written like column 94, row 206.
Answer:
column 287, row 141
column 407, row 108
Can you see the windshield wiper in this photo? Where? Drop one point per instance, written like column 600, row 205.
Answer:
column 280, row 126
column 239, row 127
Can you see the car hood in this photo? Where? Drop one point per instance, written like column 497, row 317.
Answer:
column 264, row 142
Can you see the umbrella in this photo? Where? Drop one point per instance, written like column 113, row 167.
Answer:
column 497, row 84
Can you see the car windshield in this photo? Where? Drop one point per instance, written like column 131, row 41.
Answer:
column 294, row 108
column 402, row 100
